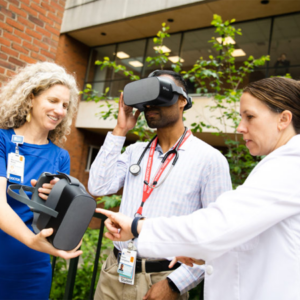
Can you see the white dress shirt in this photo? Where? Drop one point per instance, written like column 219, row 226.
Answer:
column 200, row 175
column 249, row 238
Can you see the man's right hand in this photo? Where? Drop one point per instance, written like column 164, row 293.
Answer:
column 126, row 119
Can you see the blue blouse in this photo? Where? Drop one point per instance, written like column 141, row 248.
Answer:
column 16, row 259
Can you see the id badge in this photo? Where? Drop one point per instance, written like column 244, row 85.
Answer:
column 126, row 268
column 15, row 168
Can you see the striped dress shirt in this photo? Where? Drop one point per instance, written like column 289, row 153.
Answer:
column 200, row 175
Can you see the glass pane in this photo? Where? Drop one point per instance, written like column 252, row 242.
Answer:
column 94, row 72
column 293, row 71
column 117, row 86
column 285, row 43
column 131, row 56
column 254, row 39
column 195, row 45
column 172, row 46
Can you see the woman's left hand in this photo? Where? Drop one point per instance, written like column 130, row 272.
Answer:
column 187, row 261
column 45, row 190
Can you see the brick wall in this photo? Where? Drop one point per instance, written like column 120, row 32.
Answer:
column 73, row 56
column 29, row 32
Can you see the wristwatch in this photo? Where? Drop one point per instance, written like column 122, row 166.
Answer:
column 173, row 286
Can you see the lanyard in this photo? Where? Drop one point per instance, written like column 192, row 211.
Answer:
column 147, row 189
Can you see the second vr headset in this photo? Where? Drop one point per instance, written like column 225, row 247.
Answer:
column 159, row 91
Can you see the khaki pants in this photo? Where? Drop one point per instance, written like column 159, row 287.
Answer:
column 109, row 287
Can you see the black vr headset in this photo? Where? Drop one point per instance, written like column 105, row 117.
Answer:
column 68, row 209
column 159, row 91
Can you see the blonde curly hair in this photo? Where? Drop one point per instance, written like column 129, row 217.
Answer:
column 15, row 97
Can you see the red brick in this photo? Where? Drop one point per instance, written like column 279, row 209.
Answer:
column 11, row 37
column 62, row 2
column 50, row 42
column 7, row 65
column 9, row 51
column 51, row 29
column 53, row 50
column 43, row 58
column 3, row 3
column 31, row 47
column 36, row 21
column 40, row 44
column 23, row 35
column 33, row 34
column 60, row 14
column 15, row 2
column 17, row 10
column 38, row 56
column 43, row 32
column 4, row 42
column 38, row 8
column 26, row 2
column 29, row 10
column 3, row 56
column 10, row 73
column 7, row 12
column 28, row 59
column 58, row 6
column 2, row 71
column 48, row 7
column 45, row 19
column 6, row 27
column 57, row 26
column 25, row 22
column 16, row 62
column 55, row 37
column 20, row 48
column 54, row 18
column 15, row 24
column 2, row 17
column 48, row 54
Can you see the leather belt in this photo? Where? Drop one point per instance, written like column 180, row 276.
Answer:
column 152, row 266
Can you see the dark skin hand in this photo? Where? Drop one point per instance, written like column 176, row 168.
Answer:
column 161, row 291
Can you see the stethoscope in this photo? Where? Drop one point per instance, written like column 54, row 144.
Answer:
column 135, row 169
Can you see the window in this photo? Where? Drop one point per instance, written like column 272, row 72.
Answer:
column 92, row 153
column 191, row 45
column 285, row 54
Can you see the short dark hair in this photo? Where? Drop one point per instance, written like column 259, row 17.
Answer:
column 279, row 94
column 177, row 77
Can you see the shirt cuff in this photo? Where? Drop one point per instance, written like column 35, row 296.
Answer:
column 113, row 143
column 186, row 278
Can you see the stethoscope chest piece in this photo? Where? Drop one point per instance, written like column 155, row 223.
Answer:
column 135, row 169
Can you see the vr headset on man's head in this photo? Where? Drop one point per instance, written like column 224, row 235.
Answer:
column 158, row 91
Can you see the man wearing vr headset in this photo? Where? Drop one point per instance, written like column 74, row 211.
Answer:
column 174, row 174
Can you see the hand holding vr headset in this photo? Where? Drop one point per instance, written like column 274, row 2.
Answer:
column 152, row 91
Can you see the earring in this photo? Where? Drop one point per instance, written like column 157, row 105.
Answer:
column 28, row 117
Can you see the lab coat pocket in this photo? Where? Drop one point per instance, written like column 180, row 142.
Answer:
column 250, row 245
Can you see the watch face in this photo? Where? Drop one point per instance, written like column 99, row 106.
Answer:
column 135, row 169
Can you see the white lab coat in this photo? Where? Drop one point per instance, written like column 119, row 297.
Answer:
column 249, row 238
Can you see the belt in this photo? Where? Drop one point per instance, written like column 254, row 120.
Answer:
column 152, row 266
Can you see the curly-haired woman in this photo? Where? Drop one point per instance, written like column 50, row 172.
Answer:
column 38, row 104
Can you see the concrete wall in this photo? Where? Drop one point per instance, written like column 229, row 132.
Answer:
column 106, row 11
column 87, row 115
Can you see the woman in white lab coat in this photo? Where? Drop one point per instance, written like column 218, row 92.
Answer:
column 250, row 238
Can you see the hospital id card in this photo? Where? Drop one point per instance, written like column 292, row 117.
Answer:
column 126, row 268
column 15, row 168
